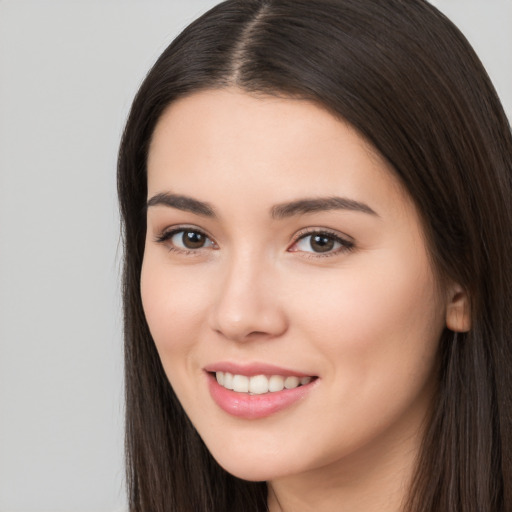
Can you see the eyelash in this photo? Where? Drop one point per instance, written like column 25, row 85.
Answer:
column 344, row 244
column 166, row 236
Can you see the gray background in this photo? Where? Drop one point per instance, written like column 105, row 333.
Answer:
column 68, row 72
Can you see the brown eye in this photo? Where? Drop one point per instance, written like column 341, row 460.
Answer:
column 188, row 240
column 322, row 243
column 193, row 240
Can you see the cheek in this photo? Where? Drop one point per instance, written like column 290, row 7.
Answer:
column 376, row 324
column 173, row 305
column 378, row 334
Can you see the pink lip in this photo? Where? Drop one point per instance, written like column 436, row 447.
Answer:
column 252, row 369
column 251, row 407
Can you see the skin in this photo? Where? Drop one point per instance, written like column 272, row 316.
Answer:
column 364, row 319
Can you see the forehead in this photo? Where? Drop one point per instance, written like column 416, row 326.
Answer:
column 278, row 148
column 214, row 114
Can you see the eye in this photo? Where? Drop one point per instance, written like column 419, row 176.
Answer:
column 183, row 239
column 321, row 242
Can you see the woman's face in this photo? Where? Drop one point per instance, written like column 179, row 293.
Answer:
column 283, row 254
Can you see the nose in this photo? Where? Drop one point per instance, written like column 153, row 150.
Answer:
column 248, row 304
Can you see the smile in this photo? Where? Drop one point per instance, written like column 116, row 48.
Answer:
column 257, row 391
column 259, row 384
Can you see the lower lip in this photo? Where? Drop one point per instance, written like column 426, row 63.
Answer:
column 251, row 407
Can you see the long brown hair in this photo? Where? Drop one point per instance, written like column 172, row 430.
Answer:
column 409, row 82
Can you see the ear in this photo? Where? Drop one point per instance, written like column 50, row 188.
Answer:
column 458, row 315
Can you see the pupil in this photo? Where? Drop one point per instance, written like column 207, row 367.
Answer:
column 193, row 240
column 321, row 243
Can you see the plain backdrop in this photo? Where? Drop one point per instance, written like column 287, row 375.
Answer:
column 68, row 72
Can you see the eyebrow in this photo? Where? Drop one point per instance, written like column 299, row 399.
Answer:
column 279, row 211
column 182, row 203
column 321, row 204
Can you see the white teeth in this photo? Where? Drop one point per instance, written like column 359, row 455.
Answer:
column 291, row 382
column 228, row 380
column 276, row 383
column 241, row 383
column 259, row 384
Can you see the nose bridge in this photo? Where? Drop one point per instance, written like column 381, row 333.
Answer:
column 248, row 299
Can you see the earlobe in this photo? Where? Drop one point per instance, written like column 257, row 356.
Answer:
column 458, row 314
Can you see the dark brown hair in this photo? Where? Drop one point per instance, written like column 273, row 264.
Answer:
column 409, row 82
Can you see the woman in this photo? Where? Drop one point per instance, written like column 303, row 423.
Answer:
column 317, row 221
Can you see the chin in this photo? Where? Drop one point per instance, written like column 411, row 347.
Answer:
column 254, row 469
column 248, row 472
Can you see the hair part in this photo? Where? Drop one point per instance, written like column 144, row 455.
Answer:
column 408, row 81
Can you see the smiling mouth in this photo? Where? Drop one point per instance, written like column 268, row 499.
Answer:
column 259, row 384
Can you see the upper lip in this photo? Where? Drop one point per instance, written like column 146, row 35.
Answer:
column 254, row 368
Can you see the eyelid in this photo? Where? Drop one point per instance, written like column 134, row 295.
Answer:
column 322, row 231
column 167, row 233
column 347, row 242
